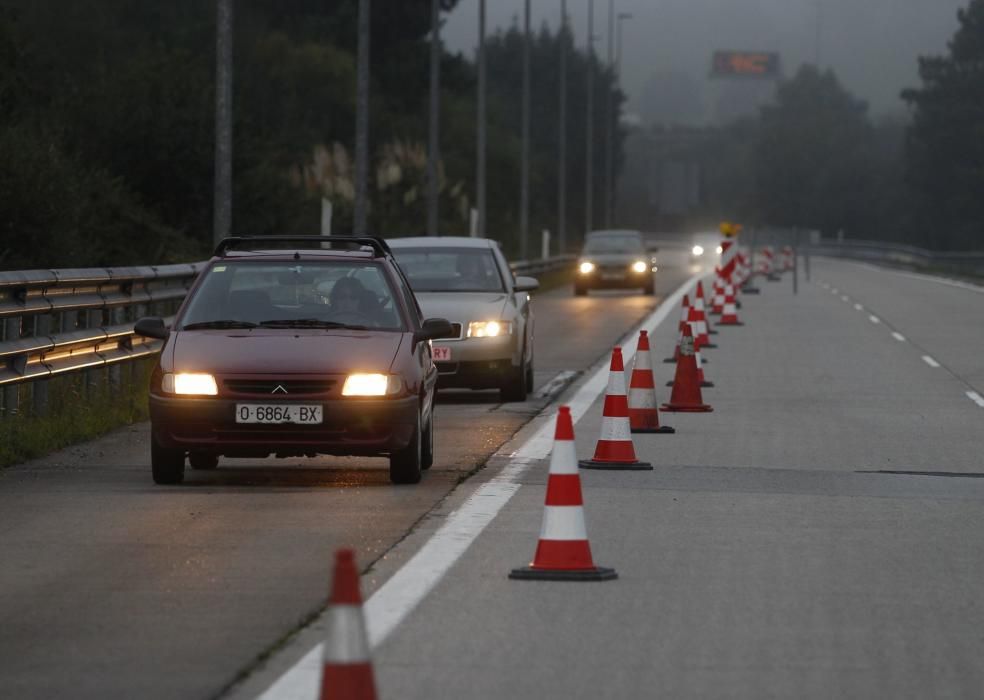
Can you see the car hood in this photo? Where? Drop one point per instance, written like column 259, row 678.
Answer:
column 276, row 351
column 462, row 307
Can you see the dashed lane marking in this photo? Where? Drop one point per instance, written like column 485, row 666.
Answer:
column 397, row 598
column 845, row 298
column 976, row 398
column 898, row 336
column 858, row 307
column 874, row 319
column 930, row 361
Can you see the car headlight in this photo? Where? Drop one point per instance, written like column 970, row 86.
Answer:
column 586, row 267
column 189, row 384
column 639, row 266
column 698, row 250
column 719, row 250
column 489, row 329
column 366, row 384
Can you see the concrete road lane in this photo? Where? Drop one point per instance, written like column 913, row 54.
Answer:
column 818, row 535
column 112, row 587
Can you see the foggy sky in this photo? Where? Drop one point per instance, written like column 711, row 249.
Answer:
column 873, row 45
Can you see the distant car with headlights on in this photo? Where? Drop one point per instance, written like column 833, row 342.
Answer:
column 295, row 351
column 469, row 282
column 705, row 247
column 614, row 260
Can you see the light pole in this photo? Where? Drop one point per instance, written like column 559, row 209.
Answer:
column 589, row 128
column 562, row 136
column 609, row 108
column 480, row 146
column 524, row 187
column 222, row 202
column 612, row 118
column 433, row 146
column 362, row 123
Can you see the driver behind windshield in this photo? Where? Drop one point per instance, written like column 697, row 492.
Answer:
column 346, row 296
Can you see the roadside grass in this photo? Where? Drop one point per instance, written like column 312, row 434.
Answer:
column 74, row 413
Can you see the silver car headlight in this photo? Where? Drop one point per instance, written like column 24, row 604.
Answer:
column 489, row 329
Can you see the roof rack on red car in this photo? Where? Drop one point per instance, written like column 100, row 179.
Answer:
column 378, row 245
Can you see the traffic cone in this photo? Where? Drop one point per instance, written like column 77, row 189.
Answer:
column 730, row 315
column 346, row 672
column 643, row 414
column 701, row 379
column 615, row 450
column 698, row 328
column 684, row 320
column 717, row 305
column 686, row 396
column 702, row 308
column 563, row 552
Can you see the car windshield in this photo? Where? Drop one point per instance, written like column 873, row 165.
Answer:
column 293, row 294
column 450, row 269
column 613, row 244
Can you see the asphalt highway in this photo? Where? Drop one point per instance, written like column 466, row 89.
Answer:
column 112, row 587
column 818, row 535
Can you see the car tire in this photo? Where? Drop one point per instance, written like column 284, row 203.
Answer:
column 580, row 292
column 649, row 289
column 515, row 387
column 406, row 464
column 529, row 378
column 203, row 460
column 427, row 449
column 167, row 465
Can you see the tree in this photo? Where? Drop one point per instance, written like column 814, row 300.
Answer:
column 945, row 143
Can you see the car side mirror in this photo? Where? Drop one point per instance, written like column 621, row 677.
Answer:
column 433, row 329
column 152, row 328
column 526, row 284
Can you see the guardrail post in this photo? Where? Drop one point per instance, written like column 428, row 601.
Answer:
column 10, row 330
column 117, row 317
column 39, row 387
column 92, row 378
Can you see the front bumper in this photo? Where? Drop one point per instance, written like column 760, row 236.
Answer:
column 626, row 280
column 349, row 427
column 479, row 363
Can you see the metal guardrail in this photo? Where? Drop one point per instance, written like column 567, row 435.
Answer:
column 60, row 322
column 965, row 263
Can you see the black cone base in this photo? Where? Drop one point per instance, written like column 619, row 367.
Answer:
column 726, row 325
column 712, row 333
column 663, row 429
column 707, row 385
column 751, row 290
column 528, row 573
column 670, row 360
column 615, row 466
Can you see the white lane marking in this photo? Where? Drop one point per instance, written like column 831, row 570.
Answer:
column 922, row 277
column 898, row 336
column 858, row 307
column 835, row 290
column 930, row 361
column 874, row 319
column 397, row 598
column 845, row 298
column 556, row 384
column 976, row 398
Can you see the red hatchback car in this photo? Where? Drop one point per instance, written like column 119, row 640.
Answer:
column 320, row 349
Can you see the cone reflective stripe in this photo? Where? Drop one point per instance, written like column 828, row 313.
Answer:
column 615, row 450
column 730, row 315
column 643, row 414
column 563, row 552
column 698, row 329
column 346, row 671
column 686, row 396
column 702, row 309
column 717, row 305
column 684, row 314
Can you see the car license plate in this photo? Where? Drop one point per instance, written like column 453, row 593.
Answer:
column 612, row 276
column 278, row 413
column 442, row 354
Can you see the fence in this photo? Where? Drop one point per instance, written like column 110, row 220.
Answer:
column 80, row 321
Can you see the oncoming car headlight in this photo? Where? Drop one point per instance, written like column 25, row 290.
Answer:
column 639, row 266
column 586, row 267
column 189, row 384
column 371, row 384
column 489, row 329
column 720, row 249
column 698, row 250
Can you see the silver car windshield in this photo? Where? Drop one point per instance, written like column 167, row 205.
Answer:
column 294, row 294
column 450, row 269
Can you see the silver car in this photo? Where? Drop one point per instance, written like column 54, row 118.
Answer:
column 468, row 282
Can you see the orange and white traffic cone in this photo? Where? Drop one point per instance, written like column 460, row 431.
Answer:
column 643, row 414
column 730, row 315
column 615, row 450
column 686, row 396
column 702, row 308
column 701, row 379
column 684, row 320
column 346, row 671
column 698, row 327
column 563, row 552
column 717, row 303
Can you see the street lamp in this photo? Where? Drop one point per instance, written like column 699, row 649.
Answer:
column 617, row 74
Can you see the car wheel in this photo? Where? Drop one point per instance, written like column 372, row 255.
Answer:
column 166, row 465
column 580, row 292
column 203, row 460
column 529, row 378
column 649, row 289
column 515, row 387
column 427, row 450
column 405, row 464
